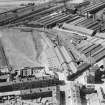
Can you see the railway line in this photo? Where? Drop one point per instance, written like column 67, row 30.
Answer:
column 33, row 13
column 55, row 20
column 28, row 14
column 39, row 14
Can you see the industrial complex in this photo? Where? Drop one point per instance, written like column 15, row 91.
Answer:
column 52, row 52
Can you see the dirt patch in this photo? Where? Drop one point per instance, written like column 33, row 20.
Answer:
column 22, row 48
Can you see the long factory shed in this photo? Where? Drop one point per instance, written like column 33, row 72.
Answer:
column 94, row 52
column 78, row 29
column 96, row 49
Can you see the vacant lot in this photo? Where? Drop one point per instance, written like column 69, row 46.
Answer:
column 23, row 48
